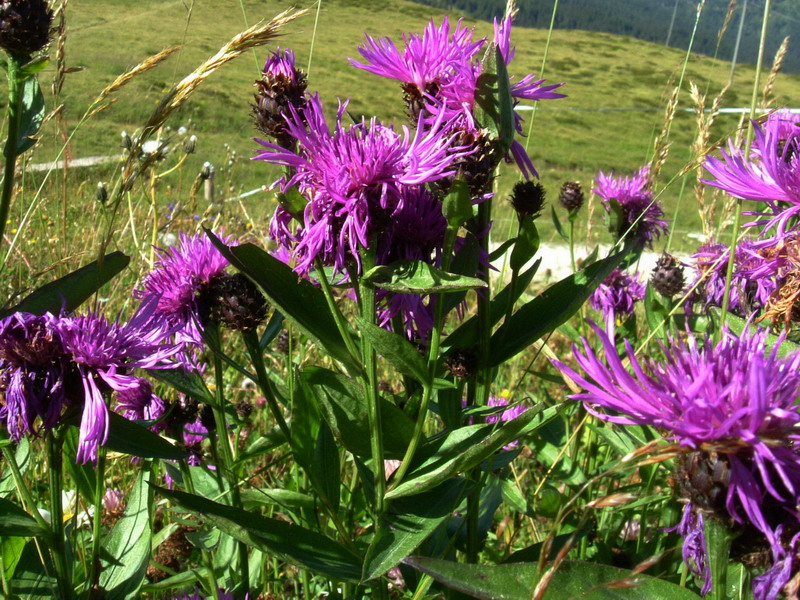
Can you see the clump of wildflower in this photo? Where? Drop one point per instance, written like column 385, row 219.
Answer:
column 617, row 295
column 630, row 205
column 281, row 85
column 730, row 406
column 769, row 174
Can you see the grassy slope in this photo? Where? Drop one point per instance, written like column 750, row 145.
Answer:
column 601, row 70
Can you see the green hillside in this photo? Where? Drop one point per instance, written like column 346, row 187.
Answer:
column 571, row 138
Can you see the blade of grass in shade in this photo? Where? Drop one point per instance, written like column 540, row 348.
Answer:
column 541, row 71
column 749, row 140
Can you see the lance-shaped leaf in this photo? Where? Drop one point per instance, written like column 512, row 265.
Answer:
column 465, row 448
column 396, row 349
column 126, row 552
column 185, row 382
column 32, row 113
column 299, row 300
column 344, row 407
column 72, row 290
column 302, row 547
column 14, row 521
column 549, row 310
column 494, row 106
column 573, row 579
column 130, row 438
column 409, row 522
column 417, row 277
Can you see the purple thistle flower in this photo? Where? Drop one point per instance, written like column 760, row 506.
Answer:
column 770, row 174
column 691, row 528
column 752, row 283
column 33, row 367
column 785, row 565
column 177, row 280
column 424, row 61
column 641, row 214
column 104, row 353
column 733, row 400
column 141, row 404
column 281, row 85
column 618, row 294
column 353, row 179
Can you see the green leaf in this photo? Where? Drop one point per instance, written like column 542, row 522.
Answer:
column 325, row 468
column 299, row 300
column 31, row 579
column 409, row 522
column 548, row 449
column 305, row 422
column 494, row 106
column 457, row 204
column 396, row 349
column 417, row 277
column 23, row 457
column 15, row 521
column 300, row 546
column 526, row 245
column 126, row 551
column 466, row 335
column 129, row 438
column 656, row 313
column 72, row 290
column 293, row 201
column 557, row 224
column 33, row 66
column 185, row 382
column 343, row 405
column 465, row 448
column 11, row 548
column 279, row 497
column 548, row 310
column 573, row 579
column 31, row 116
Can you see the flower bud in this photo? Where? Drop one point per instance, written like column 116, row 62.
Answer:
column 571, row 196
column 24, row 25
column 281, row 85
column 527, row 198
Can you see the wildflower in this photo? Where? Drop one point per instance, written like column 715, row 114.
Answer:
column 24, row 25
column 353, row 180
column 33, row 369
column 751, row 285
column 527, row 198
column 281, row 85
column 639, row 212
column 139, row 403
column 769, row 174
column 179, row 278
column 618, row 294
column 729, row 406
column 104, row 353
column 667, row 277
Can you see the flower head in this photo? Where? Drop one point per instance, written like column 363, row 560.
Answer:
column 139, row 403
column 769, row 174
column 24, row 25
column 353, row 179
column 730, row 406
column 281, row 85
column 618, row 294
column 178, row 280
column 640, row 214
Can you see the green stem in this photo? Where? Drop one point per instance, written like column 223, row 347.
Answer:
column 433, row 357
column 257, row 358
column 224, row 442
column 13, row 112
column 59, row 549
column 97, row 518
column 27, row 498
column 341, row 325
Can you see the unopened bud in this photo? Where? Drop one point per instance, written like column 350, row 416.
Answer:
column 102, row 193
column 189, row 144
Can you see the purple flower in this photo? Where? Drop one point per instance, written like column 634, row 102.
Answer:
column 139, row 403
column 770, row 174
column 691, row 528
column 104, row 353
column 113, row 501
column 640, row 213
column 425, row 61
column 281, row 85
column 177, row 281
column 752, row 283
column 785, row 565
column 352, row 179
column 33, row 367
column 618, row 294
column 730, row 406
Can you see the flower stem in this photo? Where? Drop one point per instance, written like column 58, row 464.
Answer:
column 224, row 443
column 94, row 562
column 257, row 358
column 13, row 112
column 341, row 325
column 59, row 549
column 207, row 558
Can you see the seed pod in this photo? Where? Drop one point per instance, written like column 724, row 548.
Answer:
column 527, row 198
column 24, row 26
column 667, row 277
